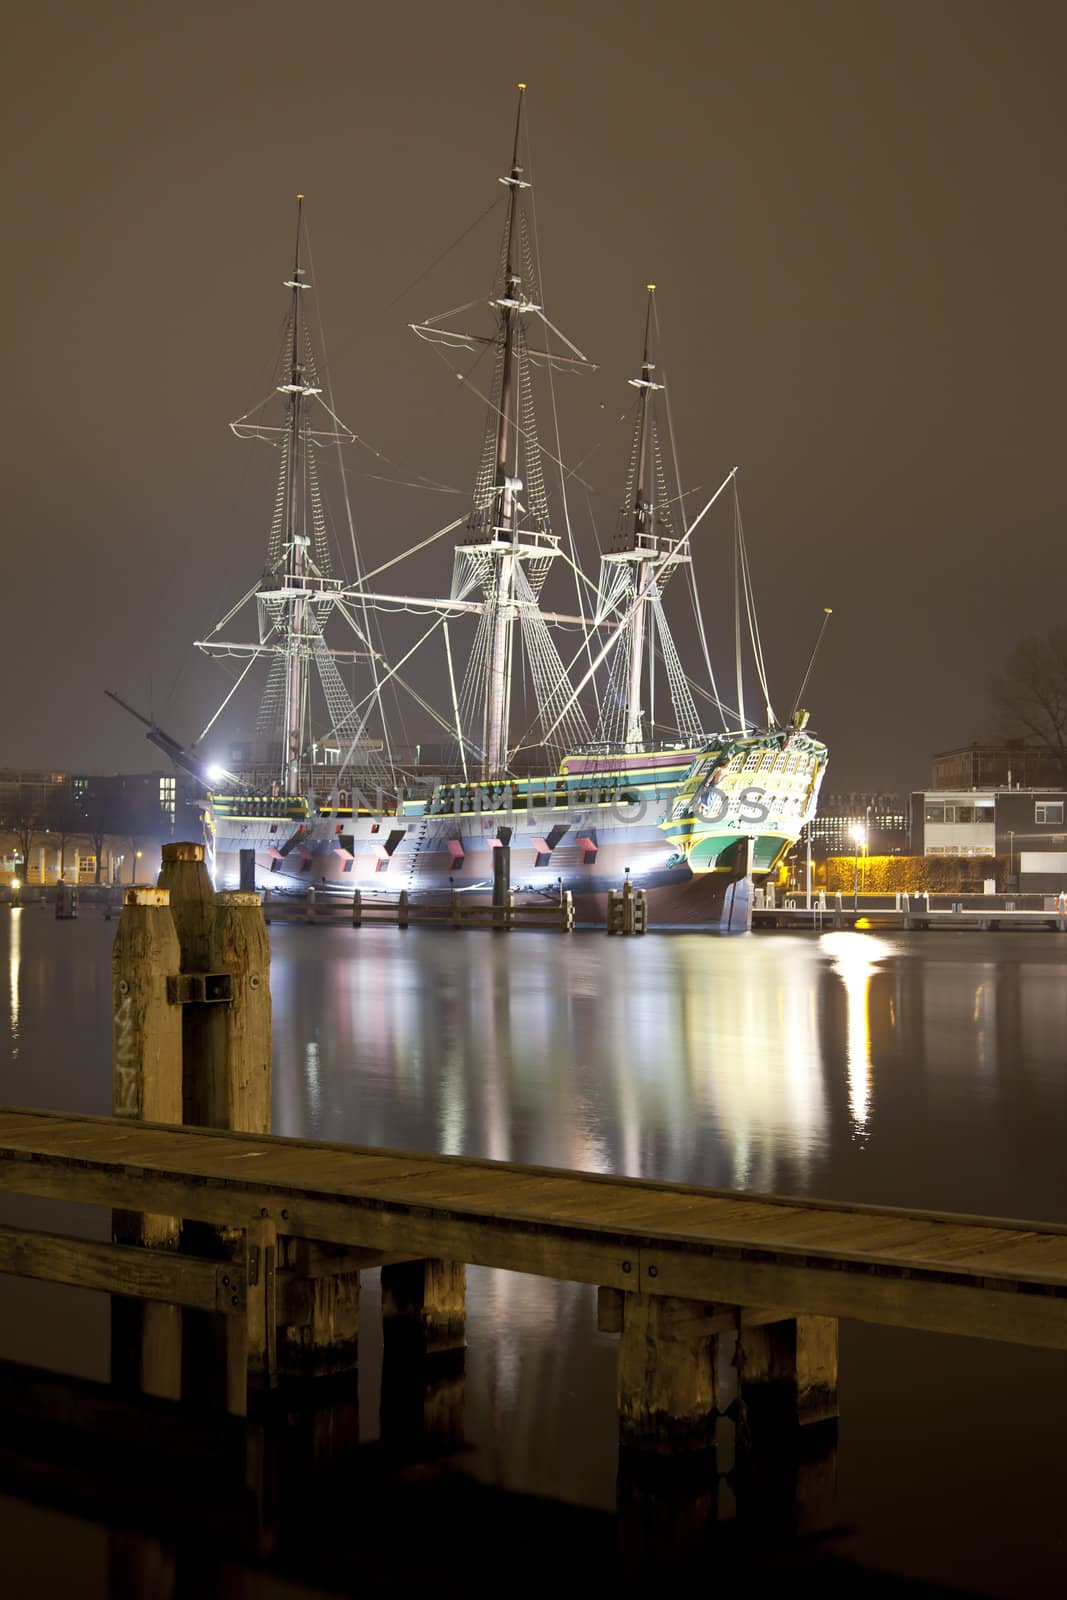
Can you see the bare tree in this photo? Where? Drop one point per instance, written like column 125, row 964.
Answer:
column 1030, row 694
column 63, row 822
column 22, row 819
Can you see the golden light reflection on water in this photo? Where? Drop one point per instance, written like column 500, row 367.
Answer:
column 14, row 973
column 854, row 958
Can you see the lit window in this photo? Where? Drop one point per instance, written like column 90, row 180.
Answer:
column 1048, row 811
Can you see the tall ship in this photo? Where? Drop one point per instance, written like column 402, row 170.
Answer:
column 583, row 771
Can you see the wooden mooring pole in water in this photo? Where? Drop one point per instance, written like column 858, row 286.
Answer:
column 146, row 1085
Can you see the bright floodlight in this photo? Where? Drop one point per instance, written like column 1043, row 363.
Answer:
column 860, row 835
column 214, row 774
column 16, row 885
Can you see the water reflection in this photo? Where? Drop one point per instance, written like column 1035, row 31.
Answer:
column 14, row 968
column 855, row 958
column 686, row 1058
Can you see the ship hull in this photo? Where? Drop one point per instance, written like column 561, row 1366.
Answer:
column 676, row 825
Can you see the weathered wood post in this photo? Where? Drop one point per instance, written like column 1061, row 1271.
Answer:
column 357, row 909
column 628, row 907
column 184, row 875
column 309, row 905
column 787, row 1372
column 501, row 877
column 668, row 1378
column 403, row 909
column 424, row 1329
column 457, row 911
column 146, row 1086
column 786, row 1424
column 234, row 1077
column 567, row 911
column 614, row 911
column 248, row 870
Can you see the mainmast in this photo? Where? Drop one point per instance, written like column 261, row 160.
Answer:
column 510, row 545
column 498, row 691
column 642, row 516
column 295, row 546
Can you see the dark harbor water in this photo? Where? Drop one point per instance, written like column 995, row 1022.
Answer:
column 924, row 1070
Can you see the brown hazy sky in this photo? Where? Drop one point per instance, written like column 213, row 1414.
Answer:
column 855, row 214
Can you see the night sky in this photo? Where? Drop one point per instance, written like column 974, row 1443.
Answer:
column 855, row 214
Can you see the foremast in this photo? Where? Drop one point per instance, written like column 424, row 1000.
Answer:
column 634, row 573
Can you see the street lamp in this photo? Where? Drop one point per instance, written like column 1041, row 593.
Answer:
column 859, row 835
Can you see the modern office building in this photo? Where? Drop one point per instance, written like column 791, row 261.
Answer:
column 1026, row 828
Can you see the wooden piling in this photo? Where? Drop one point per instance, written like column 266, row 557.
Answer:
column 146, row 1086
column 357, row 909
column 787, row 1372
column 667, row 1383
column 424, row 1305
column 318, row 1309
column 184, row 875
column 403, row 909
column 309, row 906
column 233, row 1087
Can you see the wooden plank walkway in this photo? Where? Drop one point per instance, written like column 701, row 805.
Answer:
column 987, row 1277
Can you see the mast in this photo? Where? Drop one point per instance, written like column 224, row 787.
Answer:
column 498, row 686
column 296, row 672
column 642, row 512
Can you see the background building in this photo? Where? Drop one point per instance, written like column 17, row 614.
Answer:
column 1008, row 765
column 91, row 827
column 882, row 817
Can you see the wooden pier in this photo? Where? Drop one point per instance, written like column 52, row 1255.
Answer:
column 914, row 916
column 676, row 1265
column 236, row 1256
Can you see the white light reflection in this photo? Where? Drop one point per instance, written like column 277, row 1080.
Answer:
column 14, row 969
column 855, row 957
column 750, row 1030
column 314, row 1086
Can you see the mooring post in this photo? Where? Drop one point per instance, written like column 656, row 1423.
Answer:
column 184, row 875
column 234, row 1080
column 567, row 911
column 402, row 909
column 146, row 1086
column 309, row 905
column 248, row 871
column 501, row 877
column 628, row 907
column 357, row 909
column 457, row 913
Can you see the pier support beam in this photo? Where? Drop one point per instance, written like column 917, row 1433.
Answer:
column 424, row 1327
column 424, row 1307
column 147, row 1087
column 668, row 1383
column 318, row 1310
column 787, row 1372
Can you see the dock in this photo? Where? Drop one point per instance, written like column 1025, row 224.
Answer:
column 736, row 1256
